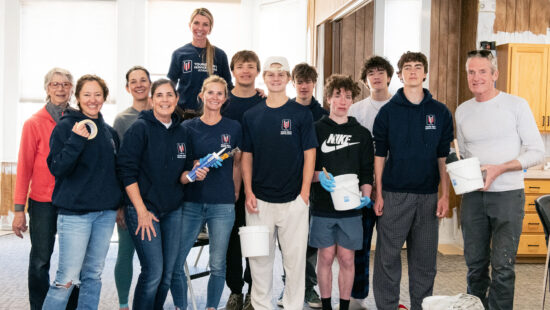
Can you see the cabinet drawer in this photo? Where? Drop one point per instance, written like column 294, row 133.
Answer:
column 530, row 202
column 532, row 224
column 537, row 186
column 532, row 245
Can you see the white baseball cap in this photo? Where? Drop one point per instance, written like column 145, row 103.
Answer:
column 276, row 60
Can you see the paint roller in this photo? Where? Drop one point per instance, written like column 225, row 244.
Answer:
column 210, row 160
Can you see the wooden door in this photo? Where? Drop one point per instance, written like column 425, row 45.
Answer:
column 529, row 80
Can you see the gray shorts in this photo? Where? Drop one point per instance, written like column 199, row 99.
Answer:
column 346, row 232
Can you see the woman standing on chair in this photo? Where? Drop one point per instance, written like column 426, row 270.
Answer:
column 192, row 63
column 86, row 195
column 153, row 163
column 213, row 200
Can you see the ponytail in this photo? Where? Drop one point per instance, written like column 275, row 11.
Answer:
column 210, row 50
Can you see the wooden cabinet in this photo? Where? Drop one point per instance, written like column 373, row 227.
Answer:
column 524, row 72
column 532, row 243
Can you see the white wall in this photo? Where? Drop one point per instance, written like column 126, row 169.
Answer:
column 406, row 27
column 10, row 72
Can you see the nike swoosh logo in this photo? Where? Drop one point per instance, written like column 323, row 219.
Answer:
column 329, row 148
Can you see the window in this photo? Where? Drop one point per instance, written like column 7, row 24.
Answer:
column 79, row 36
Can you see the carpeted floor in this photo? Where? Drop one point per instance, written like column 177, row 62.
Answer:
column 450, row 279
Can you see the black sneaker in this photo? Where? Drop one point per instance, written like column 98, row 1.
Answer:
column 312, row 299
column 235, row 302
column 247, row 303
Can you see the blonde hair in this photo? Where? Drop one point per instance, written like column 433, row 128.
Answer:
column 209, row 47
column 210, row 80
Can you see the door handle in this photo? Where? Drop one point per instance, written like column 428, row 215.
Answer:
column 543, row 119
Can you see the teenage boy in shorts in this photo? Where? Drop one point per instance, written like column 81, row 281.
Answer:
column 345, row 148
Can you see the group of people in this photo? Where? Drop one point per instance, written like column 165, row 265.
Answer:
column 147, row 173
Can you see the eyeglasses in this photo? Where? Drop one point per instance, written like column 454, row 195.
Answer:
column 480, row 53
column 57, row 84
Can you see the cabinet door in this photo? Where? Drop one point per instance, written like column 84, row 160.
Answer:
column 529, row 78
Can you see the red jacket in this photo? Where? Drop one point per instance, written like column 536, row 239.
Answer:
column 31, row 164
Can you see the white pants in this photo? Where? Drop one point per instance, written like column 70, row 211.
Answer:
column 289, row 222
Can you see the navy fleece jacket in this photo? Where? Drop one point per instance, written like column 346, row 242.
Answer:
column 84, row 170
column 155, row 157
column 415, row 136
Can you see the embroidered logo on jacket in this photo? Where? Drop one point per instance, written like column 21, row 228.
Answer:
column 226, row 141
column 187, row 66
column 430, row 122
column 335, row 142
column 286, row 127
column 181, row 150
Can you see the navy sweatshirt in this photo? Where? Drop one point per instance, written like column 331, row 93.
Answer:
column 317, row 110
column 343, row 148
column 188, row 69
column 84, row 170
column 155, row 157
column 415, row 136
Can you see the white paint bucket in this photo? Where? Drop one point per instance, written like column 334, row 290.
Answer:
column 465, row 175
column 254, row 240
column 346, row 194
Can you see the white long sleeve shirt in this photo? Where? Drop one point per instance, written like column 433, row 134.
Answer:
column 497, row 131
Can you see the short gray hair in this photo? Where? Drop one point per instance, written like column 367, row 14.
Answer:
column 483, row 54
column 60, row 71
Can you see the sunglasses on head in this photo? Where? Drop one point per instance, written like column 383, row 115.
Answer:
column 480, row 53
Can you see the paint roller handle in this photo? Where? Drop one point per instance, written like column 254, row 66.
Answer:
column 327, row 180
column 455, row 142
column 208, row 161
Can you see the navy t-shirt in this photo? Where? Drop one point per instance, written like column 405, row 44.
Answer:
column 218, row 185
column 277, row 139
column 189, row 70
column 235, row 107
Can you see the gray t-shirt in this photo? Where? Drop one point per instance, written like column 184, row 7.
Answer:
column 124, row 120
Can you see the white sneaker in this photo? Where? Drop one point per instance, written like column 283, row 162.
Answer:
column 356, row 304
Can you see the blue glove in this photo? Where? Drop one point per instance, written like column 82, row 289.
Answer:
column 215, row 163
column 327, row 184
column 365, row 202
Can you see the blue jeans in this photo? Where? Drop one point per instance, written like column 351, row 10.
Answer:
column 157, row 257
column 83, row 245
column 219, row 218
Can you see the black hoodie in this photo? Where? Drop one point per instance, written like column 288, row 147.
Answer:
column 155, row 157
column 84, row 170
column 415, row 135
column 343, row 148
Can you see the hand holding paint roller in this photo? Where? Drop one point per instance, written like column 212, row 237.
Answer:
column 327, row 180
column 213, row 160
